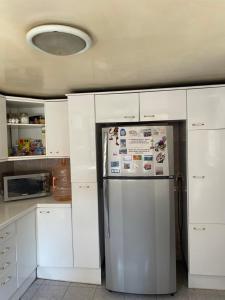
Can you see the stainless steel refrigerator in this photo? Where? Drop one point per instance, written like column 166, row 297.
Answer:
column 139, row 217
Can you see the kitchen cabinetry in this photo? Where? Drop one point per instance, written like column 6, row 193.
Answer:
column 206, row 164
column 54, row 237
column 3, row 130
column 26, row 246
column 57, row 129
column 206, row 108
column 207, row 248
column 86, row 229
column 82, row 137
column 117, row 107
column 163, row 105
column 25, row 128
column 8, row 266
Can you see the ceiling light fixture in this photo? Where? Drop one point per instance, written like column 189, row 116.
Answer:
column 59, row 39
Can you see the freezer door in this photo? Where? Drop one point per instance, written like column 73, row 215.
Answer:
column 138, row 151
column 140, row 236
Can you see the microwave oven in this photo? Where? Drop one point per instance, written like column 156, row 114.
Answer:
column 26, row 186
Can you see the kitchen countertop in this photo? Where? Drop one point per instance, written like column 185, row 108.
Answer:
column 11, row 211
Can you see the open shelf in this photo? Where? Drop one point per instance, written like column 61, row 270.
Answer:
column 25, row 125
column 26, row 157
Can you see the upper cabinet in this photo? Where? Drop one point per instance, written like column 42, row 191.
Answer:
column 57, row 128
column 82, row 138
column 163, row 105
column 3, row 130
column 206, row 108
column 117, row 107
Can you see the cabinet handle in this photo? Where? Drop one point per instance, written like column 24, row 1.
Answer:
column 149, row 116
column 198, row 124
column 5, row 266
column 84, row 186
column 5, row 235
column 44, row 212
column 57, row 152
column 198, row 177
column 199, row 228
column 129, row 117
column 5, row 251
column 7, row 280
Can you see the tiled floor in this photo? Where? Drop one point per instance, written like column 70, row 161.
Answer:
column 58, row 290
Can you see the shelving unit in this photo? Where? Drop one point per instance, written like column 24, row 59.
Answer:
column 25, row 137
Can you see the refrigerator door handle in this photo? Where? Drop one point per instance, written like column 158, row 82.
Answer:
column 105, row 155
column 106, row 209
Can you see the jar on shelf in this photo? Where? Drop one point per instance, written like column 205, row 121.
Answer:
column 24, row 119
column 61, row 181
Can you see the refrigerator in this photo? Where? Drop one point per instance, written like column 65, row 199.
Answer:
column 139, row 213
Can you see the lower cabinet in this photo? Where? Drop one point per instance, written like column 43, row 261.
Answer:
column 85, row 225
column 54, row 237
column 207, row 248
column 26, row 246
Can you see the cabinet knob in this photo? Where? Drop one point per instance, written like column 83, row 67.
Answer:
column 5, row 266
column 44, row 212
column 84, row 186
column 198, row 124
column 4, row 236
column 129, row 117
column 149, row 116
column 5, row 250
column 198, row 177
column 199, row 228
column 6, row 280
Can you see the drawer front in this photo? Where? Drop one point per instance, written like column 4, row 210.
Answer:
column 7, row 233
column 7, row 261
column 8, row 283
column 6, row 248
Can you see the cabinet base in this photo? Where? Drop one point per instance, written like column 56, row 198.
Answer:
column 206, row 282
column 20, row 291
column 91, row 276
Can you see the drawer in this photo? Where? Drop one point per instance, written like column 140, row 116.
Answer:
column 7, row 261
column 7, row 233
column 8, row 283
column 6, row 248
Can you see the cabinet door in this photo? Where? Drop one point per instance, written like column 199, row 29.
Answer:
column 206, row 165
column 26, row 246
column 57, row 129
column 85, row 225
column 3, row 130
column 117, row 107
column 82, row 138
column 207, row 248
column 163, row 105
column 54, row 237
column 206, row 108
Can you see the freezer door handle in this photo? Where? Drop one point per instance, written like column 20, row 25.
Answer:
column 105, row 155
column 106, row 209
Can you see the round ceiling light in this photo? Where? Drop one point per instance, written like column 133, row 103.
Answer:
column 58, row 39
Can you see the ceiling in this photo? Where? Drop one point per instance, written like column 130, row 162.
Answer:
column 137, row 43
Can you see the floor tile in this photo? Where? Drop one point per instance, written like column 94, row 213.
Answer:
column 50, row 292
column 39, row 281
column 102, row 293
column 79, row 293
column 140, row 297
column 82, row 284
column 31, row 291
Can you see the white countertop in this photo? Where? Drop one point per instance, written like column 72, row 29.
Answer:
column 11, row 211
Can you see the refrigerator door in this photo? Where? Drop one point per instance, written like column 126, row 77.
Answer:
column 140, row 236
column 138, row 151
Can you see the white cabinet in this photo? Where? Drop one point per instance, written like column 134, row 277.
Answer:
column 85, row 225
column 57, row 129
column 117, row 107
column 26, row 246
column 3, row 130
column 163, row 105
column 82, row 138
column 206, row 108
column 54, row 237
column 207, row 248
column 206, row 165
